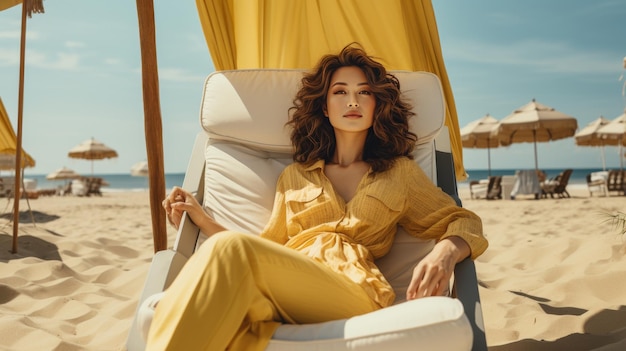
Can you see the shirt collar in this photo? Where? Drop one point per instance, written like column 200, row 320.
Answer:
column 319, row 164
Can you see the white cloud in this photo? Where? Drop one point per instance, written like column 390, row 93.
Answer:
column 74, row 44
column 112, row 61
column 541, row 56
column 62, row 61
column 178, row 75
column 37, row 58
column 9, row 34
column 9, row 57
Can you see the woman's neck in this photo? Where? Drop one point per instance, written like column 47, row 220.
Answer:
column 348, row 150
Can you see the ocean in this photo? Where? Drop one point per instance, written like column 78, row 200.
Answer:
column 126, row 182
column 117, row 182
column 578, row 176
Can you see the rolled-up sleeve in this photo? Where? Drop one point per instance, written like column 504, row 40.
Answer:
column 430, row 213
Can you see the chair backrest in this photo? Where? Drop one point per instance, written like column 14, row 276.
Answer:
column 563, row 179
column 494, row 189
column 244, row 112
column 616, row 181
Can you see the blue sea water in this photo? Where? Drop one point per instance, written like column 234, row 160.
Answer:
column 578, row 175
column 126, row 182
column 117, row 182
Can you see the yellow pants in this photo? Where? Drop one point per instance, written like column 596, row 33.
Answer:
column 236, row 290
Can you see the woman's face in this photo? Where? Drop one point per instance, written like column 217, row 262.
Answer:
column 350, row 103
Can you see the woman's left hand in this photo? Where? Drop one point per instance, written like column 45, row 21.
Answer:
column 432, row 274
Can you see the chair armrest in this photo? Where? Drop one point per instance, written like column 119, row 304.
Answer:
column 164, row 268
column 466, row 290
column 167, row 263
column 188, row 232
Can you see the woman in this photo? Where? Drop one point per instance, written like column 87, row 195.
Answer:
column 336, row 209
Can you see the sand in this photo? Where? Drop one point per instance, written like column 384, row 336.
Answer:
column 75, row 281
column 553, row 278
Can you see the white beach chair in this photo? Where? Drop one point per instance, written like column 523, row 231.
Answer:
column 233, row 170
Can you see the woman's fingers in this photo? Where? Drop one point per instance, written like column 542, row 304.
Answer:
column 174, row 205
column 428, row 280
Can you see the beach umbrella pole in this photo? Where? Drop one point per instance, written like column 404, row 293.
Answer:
column 603, row 158
column 488, row 160
column 535, row 144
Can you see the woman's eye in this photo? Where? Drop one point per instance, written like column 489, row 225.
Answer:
column 339, row 92
column 366, row 92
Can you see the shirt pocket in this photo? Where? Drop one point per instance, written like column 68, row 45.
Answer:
column 382, row 204
column 307, row 208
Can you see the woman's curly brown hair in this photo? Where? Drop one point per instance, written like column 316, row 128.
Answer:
column 312, row 134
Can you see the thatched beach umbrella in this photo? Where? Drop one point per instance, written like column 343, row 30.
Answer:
column 535, row 122
column 63, row 173
column 479, row 134
column 614, row 133
column 589, row 136
column 92, row 149
column 139, row 169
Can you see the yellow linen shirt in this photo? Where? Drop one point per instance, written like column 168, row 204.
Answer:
column 309, row 216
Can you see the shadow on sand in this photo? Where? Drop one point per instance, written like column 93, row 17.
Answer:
column 28, row 216
column 601, row 330
column 27, row 246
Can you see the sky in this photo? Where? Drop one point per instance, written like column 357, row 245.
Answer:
column 83, row 76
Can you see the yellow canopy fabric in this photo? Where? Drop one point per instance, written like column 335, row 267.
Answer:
column 8, row 142
column 402, row 34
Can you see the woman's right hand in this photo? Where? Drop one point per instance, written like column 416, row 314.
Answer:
column 178, row 202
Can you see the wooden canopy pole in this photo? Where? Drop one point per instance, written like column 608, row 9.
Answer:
column 28, row 7
column 18, row 148
column 152, row 121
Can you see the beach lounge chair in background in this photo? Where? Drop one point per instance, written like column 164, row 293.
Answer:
column 596, row 182
column 478, row 188
column 489, row 189
column 616, row 182
column 93, row 186
column 233, row 171
column 86, row 186
column 526, row 183
column 79, row 187
column 557, row 185
column 507, row 183
column 7, row 186
column 66, row 189
column 494, row 188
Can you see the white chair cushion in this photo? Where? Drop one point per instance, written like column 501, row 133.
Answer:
column 434, row 323
column 251, row 106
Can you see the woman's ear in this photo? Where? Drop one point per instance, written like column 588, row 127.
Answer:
column 325, row 110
